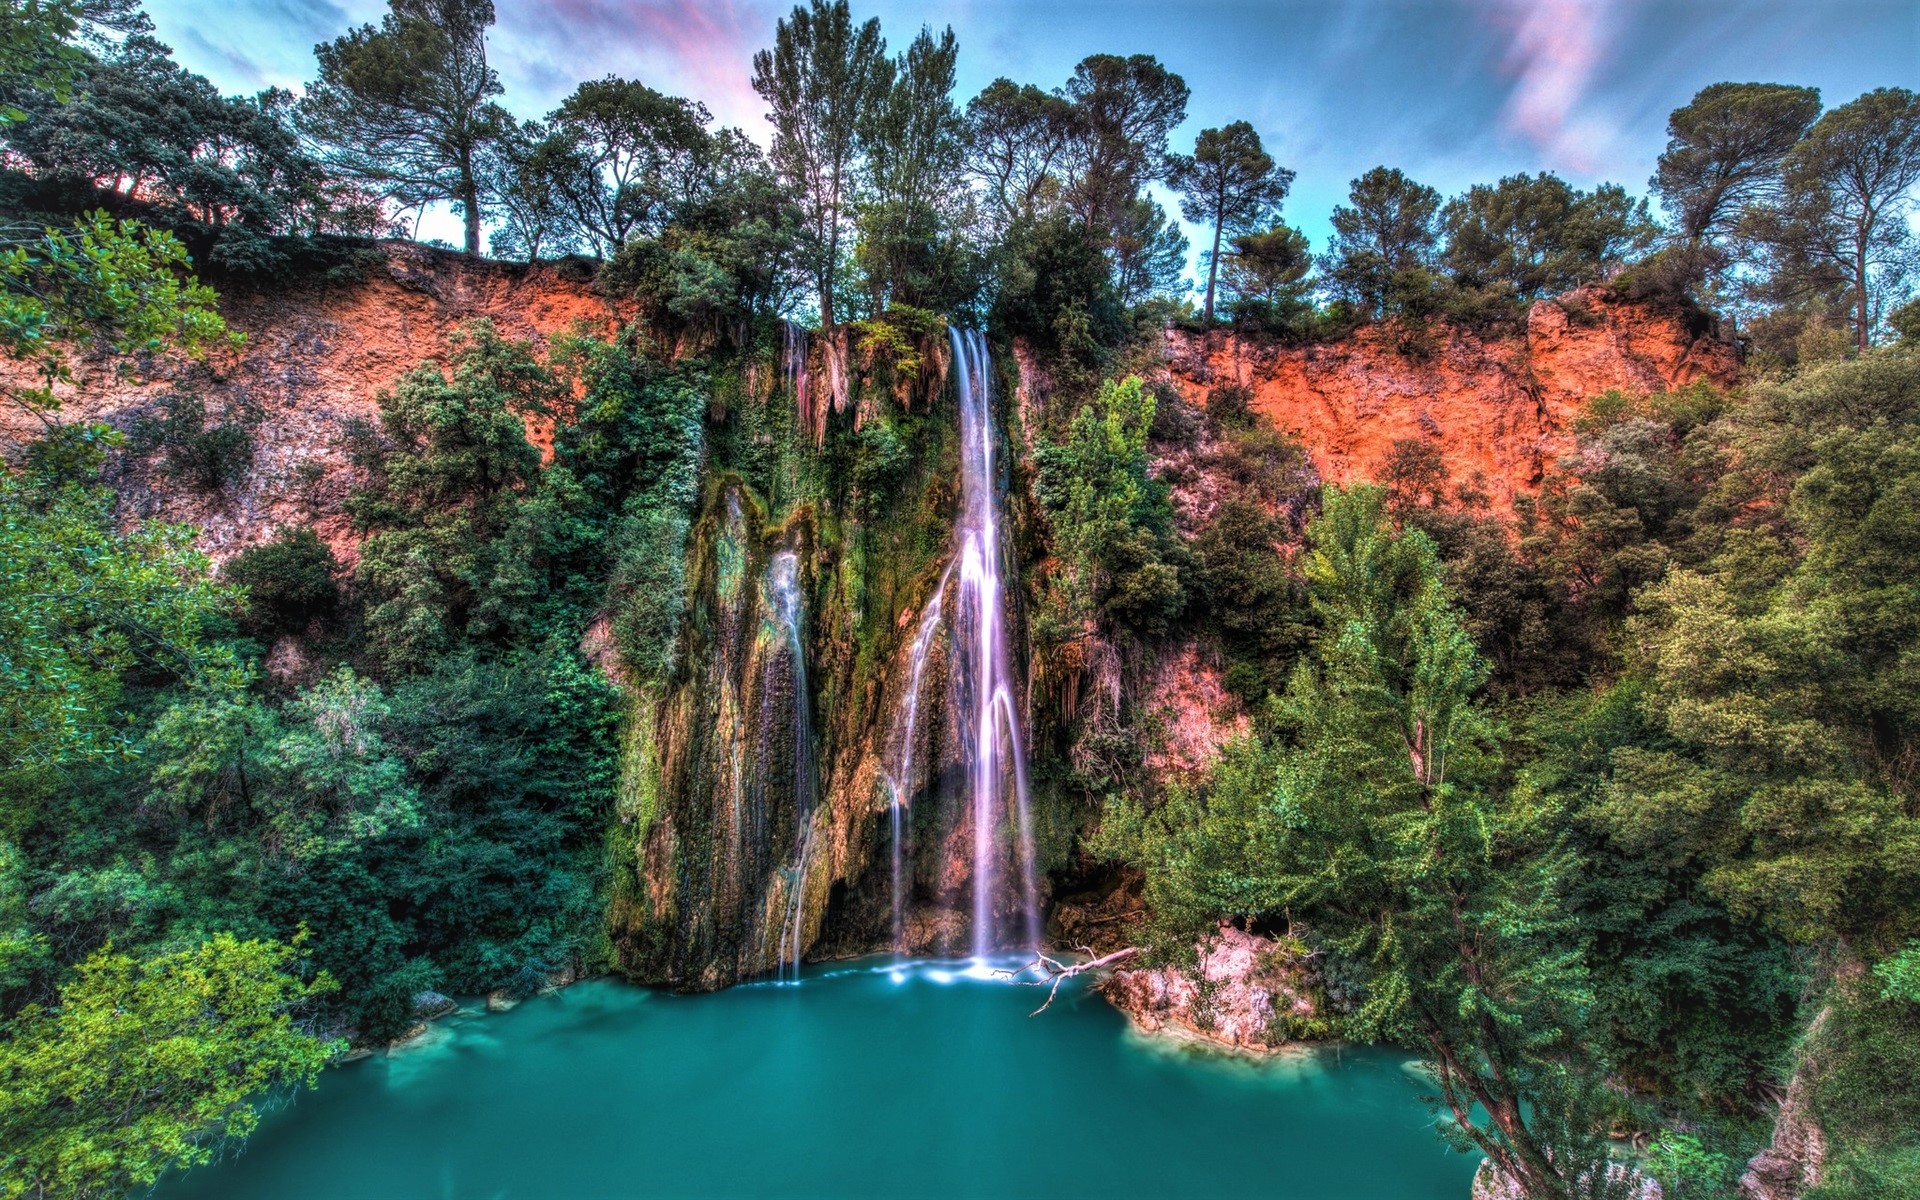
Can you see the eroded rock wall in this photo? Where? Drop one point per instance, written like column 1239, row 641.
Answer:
column 318, row 353
column 1500, row 409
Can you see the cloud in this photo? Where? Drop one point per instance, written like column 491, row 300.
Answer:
column 697, row 48
column 1555, row 51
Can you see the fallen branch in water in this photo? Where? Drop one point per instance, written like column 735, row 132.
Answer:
column 1053, row 972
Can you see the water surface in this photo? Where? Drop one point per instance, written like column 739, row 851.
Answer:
column 859, row 1082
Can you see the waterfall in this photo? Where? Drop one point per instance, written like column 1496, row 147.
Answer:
column 783, row 586
column 996, row 767
column 901, row 778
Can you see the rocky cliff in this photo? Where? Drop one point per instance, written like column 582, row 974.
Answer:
column 317, row 354
column 732, row 854
column 1498, row 408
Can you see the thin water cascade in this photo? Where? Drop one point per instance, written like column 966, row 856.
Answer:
column 783, row 586
column 902, row 776
column 987, row 696
column 793, row 364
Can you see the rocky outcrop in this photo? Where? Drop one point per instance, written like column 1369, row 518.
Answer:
column 1246, row 993
column 1191, row 715
column 1795, row 1159
column 1499, row 409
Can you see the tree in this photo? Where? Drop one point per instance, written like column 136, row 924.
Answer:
column 522, row 166
column 1725, row 150
column 1786, row 697
column 1018, row 141
column 1231, row 183
column 447, row 475
column 1385, row 242
column 140, row 126
column 1849, row 185
column 1127, row 108
column 914, row 142
column 821, row 78
column 408, row 107
column 1268, row 274
column 625, row 159
column 1110, row 519
column 1377, row 820
column 1534, row 236
column 1148, row 250
column 39, row 42
column 143, row 1067
column 85, row 605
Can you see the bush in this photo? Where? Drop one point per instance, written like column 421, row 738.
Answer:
column 290, row 582
column 209, row 456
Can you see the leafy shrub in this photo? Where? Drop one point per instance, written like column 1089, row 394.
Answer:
column 209, row 454
column 290, row 581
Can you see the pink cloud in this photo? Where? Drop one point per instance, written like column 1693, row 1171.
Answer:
column 702, row 49
column 1555, row 51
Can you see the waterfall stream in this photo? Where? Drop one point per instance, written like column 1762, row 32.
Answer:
column 986, row 693
column 783, row 589
column 900, row 779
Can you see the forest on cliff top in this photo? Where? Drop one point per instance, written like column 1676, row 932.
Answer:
column 1607, row 806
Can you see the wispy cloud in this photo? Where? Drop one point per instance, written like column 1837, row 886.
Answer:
column 697, row 48
column 1555, row 51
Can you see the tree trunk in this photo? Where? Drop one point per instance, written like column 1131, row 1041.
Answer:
column 1213, row 267
column 470, row 202
column 1861, row 308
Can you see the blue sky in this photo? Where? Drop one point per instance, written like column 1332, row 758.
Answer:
column 1453, row 92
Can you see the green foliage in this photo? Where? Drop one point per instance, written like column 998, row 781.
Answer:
column 1725, row 148
column 916, row 205
column 821, row 80
column 1376, row 815
column 227, row 172
column 209, row 456
column 84, row 606
column 1231, row 183
column 1788, row 693
column 1386, row 241
column 1864, row 1052
column 1532, row 236
column 1111, row 521
column 1687, row 1169
column 1268, row 274
column 142, row 1067
column 406, row 109
column 456, row 508
column 290, row 581
column 113, row 285
column 1839, row 228
column 626, row 149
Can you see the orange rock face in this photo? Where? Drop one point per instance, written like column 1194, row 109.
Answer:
column 1498, row 409
column 318, row 355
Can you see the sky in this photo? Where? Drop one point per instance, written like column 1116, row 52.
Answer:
column 1453, row 92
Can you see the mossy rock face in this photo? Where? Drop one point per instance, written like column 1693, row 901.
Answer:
column 719, row 855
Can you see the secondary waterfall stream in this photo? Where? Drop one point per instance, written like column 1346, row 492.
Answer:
column 900, row 778
column 783, row 589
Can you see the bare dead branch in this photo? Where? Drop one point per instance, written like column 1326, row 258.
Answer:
column 1052, row 972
